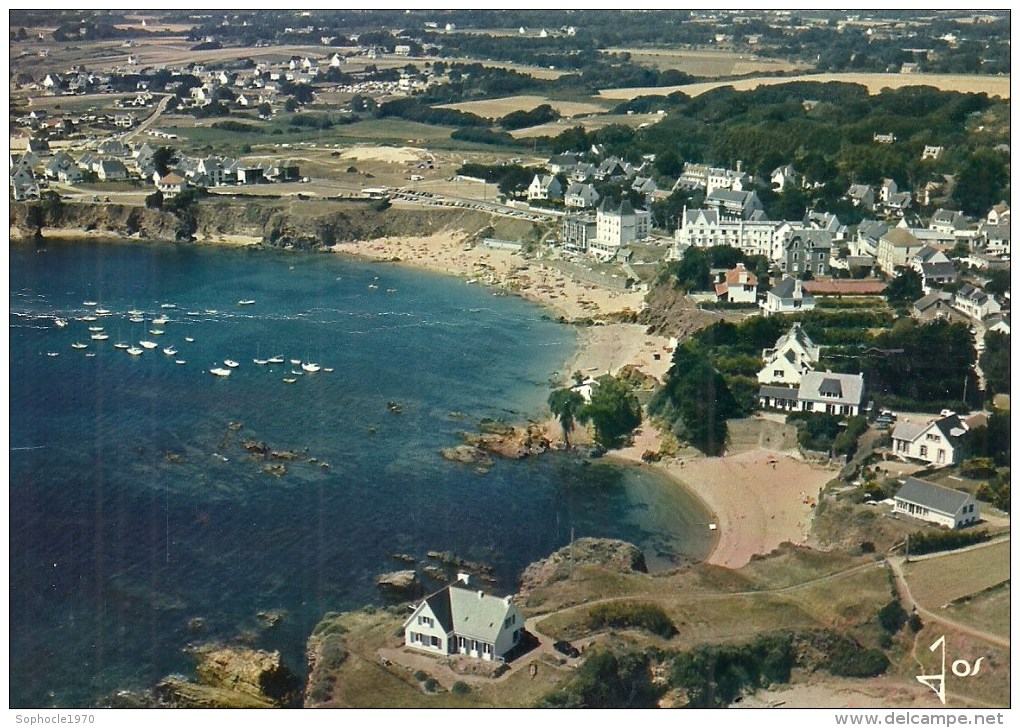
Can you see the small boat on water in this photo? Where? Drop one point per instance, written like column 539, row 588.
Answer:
column 220, row 372
column 193, row 313
column 310, row 367
column 156, row 332
column 328, row 370
column 103, row 311
column 134, row 312
column 372, row 286
column 136, row 320
column 79, row 345
column 188, row 339
column 148, row 344
column 100, row 337
column 275, row 360
column 89, row 303
column 88, row 318
column 160, row 320
column 246, row 302
column 90, row 354
column 261, row 362
column 295, row 361
column 60, row 323
column 168, row 305
column 211, row 311
column 297, row 374
column 120, row 345
column 170, row 351
column 93, row 329
column 52, row 353
column 134, row 351
column 391, row 290
column 289, row 380
column 180, row 361
column 231, row 363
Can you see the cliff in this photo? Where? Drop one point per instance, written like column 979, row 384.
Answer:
column 305, row 224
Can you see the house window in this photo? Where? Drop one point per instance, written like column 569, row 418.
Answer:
column 942, row 455
column 777, row 373
column 924, row 451
column 435, row 641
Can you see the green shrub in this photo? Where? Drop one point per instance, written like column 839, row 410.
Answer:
column 852, row 660
column 647, row 617
column 431, row 684
column 332, row 653
column 892, row 616
column 421, row 675
column 460, row 688
column 926, row 542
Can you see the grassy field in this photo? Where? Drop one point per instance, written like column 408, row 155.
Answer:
column 943, row 579
column 707, row 63
column 989, row 688
column 588, row 122
column 987, row 610
column 875, row 82
column 496, row 108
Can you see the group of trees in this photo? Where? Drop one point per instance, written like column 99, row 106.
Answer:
column 614, row 411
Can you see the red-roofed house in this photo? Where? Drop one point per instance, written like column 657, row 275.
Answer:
column 739, row 286
column 171, row 184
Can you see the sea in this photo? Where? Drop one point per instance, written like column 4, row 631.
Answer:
column 141, row 521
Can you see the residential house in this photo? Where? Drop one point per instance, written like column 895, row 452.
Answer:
column 544, row 187
column 114, row 148
column 931, row 152
column 704, row 177
column 457, row 620
column 884, row 138
column 250, row 174
column 935, row 268
column 171, row 184
column 937, row 441
column 1000, row 325
column 24, row 185
column 783, row 176
column 39, row 147
column 974, row 302
column 936, row 305
column 60, row 161
column 999, row 214
column 947, row 221
column 581, row 196
column 807, row 251
column 617, row 226
column 284, row 171
column 895, row 248
column 862, row 196
column 788, row 296
column 936, row 504
column 612, row 170
column 790, row 359
column 563, row 163
column 739, row 285
column 579, row 231
column 820, row 392
column 111, row 169
column 995, row 239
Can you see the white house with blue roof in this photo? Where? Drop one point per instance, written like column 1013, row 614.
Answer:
column 936, row 504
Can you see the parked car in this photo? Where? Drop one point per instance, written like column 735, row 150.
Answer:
column 565, row 648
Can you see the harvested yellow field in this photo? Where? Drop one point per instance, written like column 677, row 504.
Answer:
column 588, row 122
column 496, row 108
column 942, row 579
column 875, row 82
column 708, row 63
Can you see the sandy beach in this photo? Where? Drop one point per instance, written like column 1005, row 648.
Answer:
column 760, row 498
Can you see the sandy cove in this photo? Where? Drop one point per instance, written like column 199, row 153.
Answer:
column 759, row 498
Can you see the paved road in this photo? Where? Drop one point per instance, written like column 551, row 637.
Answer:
column 149, row 121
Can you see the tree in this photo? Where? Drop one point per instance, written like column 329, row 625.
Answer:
column 265, row 109
column 566, row 404
column 154, row 201
column 995, row 362
column 614, row 411
column 162, row 159
column 905, row 287
column 981, row 182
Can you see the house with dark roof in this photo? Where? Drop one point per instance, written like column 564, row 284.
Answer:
column 581, row 195
column 790, row 359
column 617, row 226
column 733, row 204
column 937, row 441
column 975, row 303
column 457, row 620
column 895, row 248
column 807, row 250
column 788, row 296
column 936, row 504
column 937, row 305
column 822, row 392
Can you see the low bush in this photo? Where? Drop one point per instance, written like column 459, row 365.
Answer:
column 647, row 617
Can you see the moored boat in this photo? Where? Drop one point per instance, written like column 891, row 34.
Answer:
column 231, row 363
column 100, row 337
column 310, row 367
column 134, row 351
column 79, row 345
column 220, row 372
column 60, row 323
column 148, row 344
column 275, row 359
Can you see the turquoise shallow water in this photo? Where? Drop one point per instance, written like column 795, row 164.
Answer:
column 134, row 507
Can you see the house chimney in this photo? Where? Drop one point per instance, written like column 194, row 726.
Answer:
column 461, row 576
column 481, row 594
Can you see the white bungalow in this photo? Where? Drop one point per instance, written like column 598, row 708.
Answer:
column 936, row 442
column 458, row 620
column 937, row 504
column 789, row 296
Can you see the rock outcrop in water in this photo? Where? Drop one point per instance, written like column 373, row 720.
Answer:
column 400, row 584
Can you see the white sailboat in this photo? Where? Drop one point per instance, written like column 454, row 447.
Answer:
column 148, row 344
column 220, row 372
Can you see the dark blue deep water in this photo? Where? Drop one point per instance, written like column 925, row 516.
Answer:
column 134, row 507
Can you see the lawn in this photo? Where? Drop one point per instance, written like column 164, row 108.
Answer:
column 942, row 579
column 987, row 610
column 496, row 108
column 707, row 63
